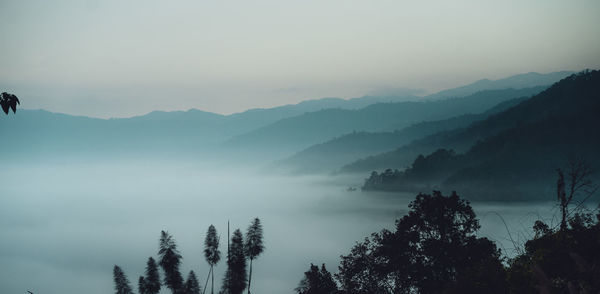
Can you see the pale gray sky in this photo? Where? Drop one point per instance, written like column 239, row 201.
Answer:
column 122, row 58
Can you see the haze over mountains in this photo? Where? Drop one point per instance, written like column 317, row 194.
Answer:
column 526, row 80
column 333, row 154
column 43, row 132
column 334, row 135
column 507, row 155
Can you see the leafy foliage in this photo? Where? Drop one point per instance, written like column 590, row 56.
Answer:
column 191, row 284
column 151, row 283
column 254, row 245
column 121, row 282
column 254, row 239
column 317, row 281
column 433, row 249
column 560, row 261
column 211, row 246
column 9, row 102
column 211, row 252
column 235, row 278
column 170, row 259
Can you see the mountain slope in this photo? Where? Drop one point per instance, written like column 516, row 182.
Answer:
column 42, row 133
column 523, row 146
column 284, row 137
column 193, row 132
column 519, row 81
column 333, row 154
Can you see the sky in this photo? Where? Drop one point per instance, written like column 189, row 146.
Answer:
column 124, row 58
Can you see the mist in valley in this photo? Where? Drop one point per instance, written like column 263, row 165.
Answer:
column 65, row 225
column 409, row 147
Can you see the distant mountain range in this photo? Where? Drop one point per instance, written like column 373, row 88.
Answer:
column 286, row 136
column 507, row 155
column 39, row 132
column 258, row 135
column 333, row 154
column 525, row 80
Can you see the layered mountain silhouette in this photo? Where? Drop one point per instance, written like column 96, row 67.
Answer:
column 290, row 135
column 511, row 153
column 333, row 154
column 525, row 80
column 43, row 133
column 258, row 135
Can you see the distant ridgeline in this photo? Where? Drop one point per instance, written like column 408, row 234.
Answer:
column 313, row 136
column 512, row 153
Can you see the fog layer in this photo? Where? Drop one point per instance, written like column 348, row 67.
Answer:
column 64, row 226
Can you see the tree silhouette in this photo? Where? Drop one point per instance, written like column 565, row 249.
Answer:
column 121, row 282
column 211, row 252
column 434, row 248
column 317, row 281
column 254, row 245
column 142, row 285
column 577, row 181
column 561, row 260
column 151, row 283
column 191, row 284
column 170, row 259
column 235, row 278
column 363, row 270
column 9, row 101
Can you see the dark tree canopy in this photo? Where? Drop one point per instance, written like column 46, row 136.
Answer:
column 254, row 239
column 433, row 249
column 211, row 252
column 235, row 278
column 563, row 260
column 9, row 102
column 121, row 282
column 191, row 284
column 211, row 246
column 142, row 285
column 254, row 245
column 170, row 259
column 150, row 284
column 317, row 281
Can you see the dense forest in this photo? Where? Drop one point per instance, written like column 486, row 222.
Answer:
column 435, row 249
column 518, row 148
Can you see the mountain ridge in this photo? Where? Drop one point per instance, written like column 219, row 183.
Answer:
column 520, row 149
column 333, row 156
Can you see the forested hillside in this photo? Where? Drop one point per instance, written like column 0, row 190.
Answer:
column 516, row 149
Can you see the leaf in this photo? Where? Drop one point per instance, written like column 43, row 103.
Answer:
column 5, row 106
column 9, row 101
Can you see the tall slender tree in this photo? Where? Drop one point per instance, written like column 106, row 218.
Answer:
column 170, row 260
column 191, row 284
column 151, row 283
column 121, row 281
column 235, row 278
column 211, row 252
column 578, row 181
column 254, row 245
column 142, row 285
